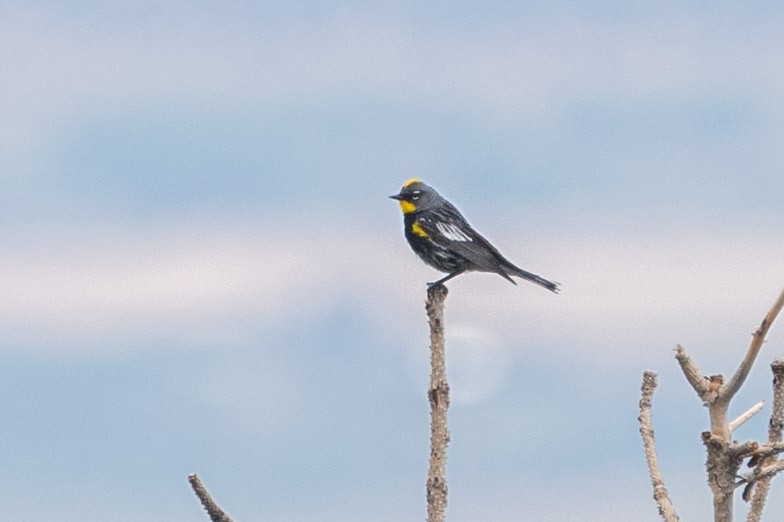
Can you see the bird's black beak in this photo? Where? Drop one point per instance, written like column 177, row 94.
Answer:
column 397, row 197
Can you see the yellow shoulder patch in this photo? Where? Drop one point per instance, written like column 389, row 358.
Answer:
column 411, row 182
column 417, row 229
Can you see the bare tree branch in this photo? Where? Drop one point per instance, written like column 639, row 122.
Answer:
column 698, row 381
column 708, row 389
column 660, row 495
column 775, row 426
column 757, row 339
column 722, row 469
column 761, row 473
column 724, row 456
column 745, row 416
column 438, row 395
column 213, row 510
column 742, row 450
column 765, row 451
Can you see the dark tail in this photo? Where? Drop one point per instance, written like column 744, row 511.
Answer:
column 505, row 271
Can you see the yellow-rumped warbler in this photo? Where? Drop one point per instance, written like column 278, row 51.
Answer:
column 442, row 237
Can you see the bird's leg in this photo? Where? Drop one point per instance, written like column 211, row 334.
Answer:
column 447, row 278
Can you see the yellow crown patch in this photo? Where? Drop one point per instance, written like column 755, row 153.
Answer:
column 411, row 182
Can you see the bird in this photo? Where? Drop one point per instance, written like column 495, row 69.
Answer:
column 439, row 234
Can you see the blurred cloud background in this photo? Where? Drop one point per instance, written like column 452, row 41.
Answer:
column 201, row 271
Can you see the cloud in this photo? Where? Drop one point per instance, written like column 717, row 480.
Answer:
column 628, row 296
column 91, row 287
column 84, row 289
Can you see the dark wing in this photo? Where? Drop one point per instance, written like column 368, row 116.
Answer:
column 449, row 229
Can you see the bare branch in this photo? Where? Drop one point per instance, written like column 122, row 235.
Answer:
column 724, row 456
column 708, row 390
column 660, row 495
column 745, row 416
column 722, row 465
column 698, row 381
column 766, row 451
column 213, row 510
column 762, row 473
column 741, row 450
column 438, row 395
column 774, row 446
column 776, row 424
column 732, row 387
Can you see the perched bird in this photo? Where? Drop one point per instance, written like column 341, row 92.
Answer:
column 442, row 237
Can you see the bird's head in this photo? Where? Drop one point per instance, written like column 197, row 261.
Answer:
column 416, row 195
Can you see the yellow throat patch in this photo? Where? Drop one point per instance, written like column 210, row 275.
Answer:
column 407, row 207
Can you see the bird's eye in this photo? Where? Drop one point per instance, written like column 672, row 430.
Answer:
column 415, row 195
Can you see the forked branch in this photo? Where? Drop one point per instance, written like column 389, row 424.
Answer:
column 725, row 456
